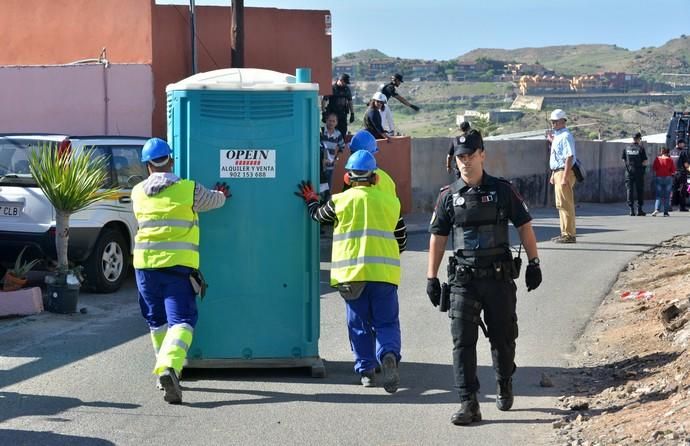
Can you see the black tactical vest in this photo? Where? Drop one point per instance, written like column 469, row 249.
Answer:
column 633, row 157
column 480, row 226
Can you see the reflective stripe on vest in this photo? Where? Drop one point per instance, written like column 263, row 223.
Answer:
column 168, row 232
column 364, row 245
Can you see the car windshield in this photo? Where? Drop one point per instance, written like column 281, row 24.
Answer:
column 14, row 160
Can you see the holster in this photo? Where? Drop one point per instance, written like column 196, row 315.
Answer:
column 198, row 282
column 444, row 304
column 517, row 265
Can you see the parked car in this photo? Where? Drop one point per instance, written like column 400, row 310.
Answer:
column 101, row 236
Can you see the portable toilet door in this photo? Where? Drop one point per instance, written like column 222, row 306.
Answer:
column 258, row 131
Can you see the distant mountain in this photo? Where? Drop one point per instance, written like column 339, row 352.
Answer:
column 673, row 56
column 361, row 56
column 650, row 62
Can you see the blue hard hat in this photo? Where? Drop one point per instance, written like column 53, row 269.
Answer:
column 361, row 161
column 363, row 140
column 153, row 149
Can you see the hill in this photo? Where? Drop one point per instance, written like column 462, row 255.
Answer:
column 361, row 56
column 673, row 56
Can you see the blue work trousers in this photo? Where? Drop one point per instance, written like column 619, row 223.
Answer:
column 166, row 296
column 373, row 325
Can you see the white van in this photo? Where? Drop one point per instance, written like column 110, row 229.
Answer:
column 101, row 236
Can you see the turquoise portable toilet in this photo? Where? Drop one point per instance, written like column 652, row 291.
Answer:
column 257, row 130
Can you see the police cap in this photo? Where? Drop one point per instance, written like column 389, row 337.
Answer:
column 468, row 144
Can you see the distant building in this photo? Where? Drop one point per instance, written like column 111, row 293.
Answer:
column 544, row 84
column 345, row 67
column 425, row 69
column 521, row 69
column 469, row 70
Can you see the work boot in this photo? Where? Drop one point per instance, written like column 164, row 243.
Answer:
column 504, row 394
column 391, row 378
column 368, row 378
column 171, row 386
column 468, row 413
column 632, row 212
column 640, row 212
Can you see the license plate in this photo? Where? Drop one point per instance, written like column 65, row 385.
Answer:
column 10, row 210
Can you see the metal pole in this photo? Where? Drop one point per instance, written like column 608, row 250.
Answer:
column 192, row 24
column 237, row 44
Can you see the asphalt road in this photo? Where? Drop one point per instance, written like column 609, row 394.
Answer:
column 85, row 379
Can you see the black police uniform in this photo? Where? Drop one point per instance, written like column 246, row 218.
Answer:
column 338, row 104
column 481, row 273
column 634, row 155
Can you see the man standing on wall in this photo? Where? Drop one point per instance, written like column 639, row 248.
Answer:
column 389, row 90
column 561, row 162
column 340, row 103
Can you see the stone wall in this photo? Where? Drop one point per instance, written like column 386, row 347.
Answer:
column 526, row 164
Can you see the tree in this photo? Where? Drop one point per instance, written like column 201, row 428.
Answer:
column 70, row 182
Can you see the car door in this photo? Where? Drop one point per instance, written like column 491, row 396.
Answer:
column 128, row 170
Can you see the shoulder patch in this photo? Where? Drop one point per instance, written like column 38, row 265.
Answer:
column 444, row 187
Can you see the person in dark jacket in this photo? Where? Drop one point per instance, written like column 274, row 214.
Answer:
column 635, row 158
column 372, row 118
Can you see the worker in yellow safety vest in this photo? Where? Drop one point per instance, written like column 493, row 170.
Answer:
column 166, row 253
column 368, row 236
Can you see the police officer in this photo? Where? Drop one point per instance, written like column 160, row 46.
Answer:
column 635, row 158
column 680, row 178
column 166, row 252
column 475, row 211
column 340, row 103
column 368, row 236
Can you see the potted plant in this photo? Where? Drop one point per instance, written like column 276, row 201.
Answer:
column 15, row 278
column 70, row 181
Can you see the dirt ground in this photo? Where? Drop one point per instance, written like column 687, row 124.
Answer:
column 629, row 381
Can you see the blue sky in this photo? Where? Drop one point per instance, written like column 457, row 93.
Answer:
column 444, row 29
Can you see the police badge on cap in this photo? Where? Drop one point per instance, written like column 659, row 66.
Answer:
column 468, row 144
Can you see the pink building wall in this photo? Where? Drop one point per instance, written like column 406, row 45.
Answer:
column 76, row 99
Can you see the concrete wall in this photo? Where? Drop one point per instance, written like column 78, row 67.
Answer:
column 45, row 32
column 395, row 159
column 275, row 39
column 77, row 99
column 525, row 163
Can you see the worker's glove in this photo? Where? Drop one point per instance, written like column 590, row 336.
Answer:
column 532, row 277
column 433, row 290
column 306, row 192
column 414, row 107
column 352, row 118
column 224, row 188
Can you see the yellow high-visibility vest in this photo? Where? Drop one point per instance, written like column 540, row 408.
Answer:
column 385, row 182
column 364, row 245
column 168, row 232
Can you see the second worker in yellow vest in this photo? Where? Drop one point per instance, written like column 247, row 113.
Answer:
column 368, row 236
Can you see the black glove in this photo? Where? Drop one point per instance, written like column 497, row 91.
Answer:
column 224, row 188
column 306, row 192
column 414, row 107
column 433, row 290
column 352, row 118
column 532, row 277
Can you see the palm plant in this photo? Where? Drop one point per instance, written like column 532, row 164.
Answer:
column 71, row 181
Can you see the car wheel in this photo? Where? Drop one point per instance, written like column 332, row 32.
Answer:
column 107, row 266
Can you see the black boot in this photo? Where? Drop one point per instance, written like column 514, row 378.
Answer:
column 468, row 413
column 504, row 394
column 632, row 211
column 640, row 212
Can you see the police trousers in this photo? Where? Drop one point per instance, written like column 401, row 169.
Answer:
column 497, row 299
column 634, row 187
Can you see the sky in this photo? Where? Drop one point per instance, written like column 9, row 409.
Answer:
column 445, row 29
